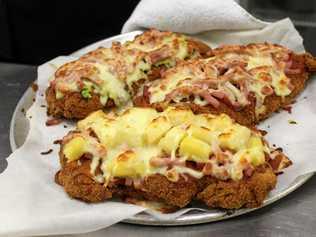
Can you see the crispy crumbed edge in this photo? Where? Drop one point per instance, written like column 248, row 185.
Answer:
column 248, row 193
column 77, row 181
column 74, row 106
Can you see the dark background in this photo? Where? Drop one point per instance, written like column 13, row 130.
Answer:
column 34, row 31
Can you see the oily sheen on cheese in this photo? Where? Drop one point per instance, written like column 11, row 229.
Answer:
column 230, row 74
column 142, row 142
column 111, row 72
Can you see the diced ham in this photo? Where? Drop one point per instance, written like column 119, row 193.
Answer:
column 53, row 121
column 146, row 92
column 206, row 82
column 248, row 171
column 207, row 169
column 279, row 161
column 166, row 161
column 294, row 66
column 244, row 88
column 218, row 94
column 159, row 54
column 209, row 98
column 267, row 90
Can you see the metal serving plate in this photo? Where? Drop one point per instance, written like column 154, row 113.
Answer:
column 19, row 128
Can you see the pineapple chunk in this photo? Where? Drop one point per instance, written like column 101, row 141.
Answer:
column 235, row 138
column 220, row 123
column 256, row 156
column 75, row 148
column 127, row 164
column 236, row 172
column 255, row 150
column 202, row 120
column 171, row 140
column 195, row 149
column 107, row 134
column 179, row 116
column 138, row 117
column 103, row 127
column 255, row 141
column 132, row 125
column 97, row 117
column 201, row 133
column 156, row 129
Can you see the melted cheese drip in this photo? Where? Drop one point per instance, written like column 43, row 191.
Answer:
column 138, row 138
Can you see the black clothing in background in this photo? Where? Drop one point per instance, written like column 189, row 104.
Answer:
column 35, row 31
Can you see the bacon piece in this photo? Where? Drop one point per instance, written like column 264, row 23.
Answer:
column 279, row 161
column 53, row 121
column 158, row 162
column 165, row 161
column 207, row 169
column 207, row 82
column 159, row 54
column 209, row 95
column 248, row 171
column 267, row 90
column 209, row 98
column 294, row 65
column 234, row 104
column 288, row 108
column 146, row 92
column 244, row 88
column 218, row 94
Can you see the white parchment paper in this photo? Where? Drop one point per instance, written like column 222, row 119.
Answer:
column 32, row 204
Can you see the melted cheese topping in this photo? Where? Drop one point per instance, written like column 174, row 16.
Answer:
column 140, row 142
column 111, row 72
column 155, row 40
column 232, row 73
column 111, row 87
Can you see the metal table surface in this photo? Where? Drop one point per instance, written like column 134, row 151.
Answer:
column 294, row 215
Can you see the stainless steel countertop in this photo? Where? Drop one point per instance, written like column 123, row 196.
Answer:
column 294, row 215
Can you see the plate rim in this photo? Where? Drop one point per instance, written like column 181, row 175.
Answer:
column 200, row 218
column 144, row 218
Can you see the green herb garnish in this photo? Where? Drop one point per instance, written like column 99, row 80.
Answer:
column 86, row 93
column 292, row 121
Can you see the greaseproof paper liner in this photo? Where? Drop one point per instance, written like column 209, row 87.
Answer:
column 32, row 204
